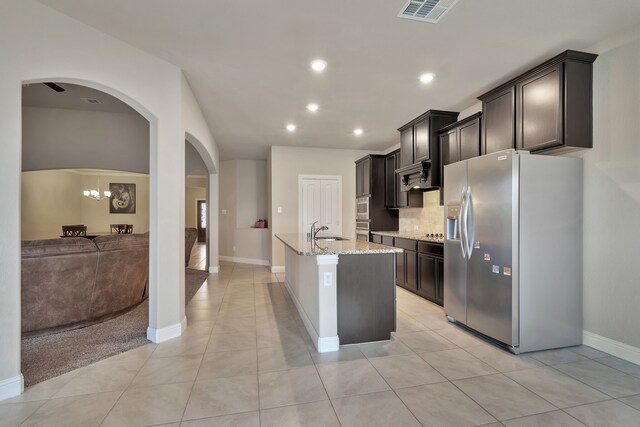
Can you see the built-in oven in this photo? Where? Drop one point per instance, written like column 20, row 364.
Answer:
column 362, row 230
column 362, row 208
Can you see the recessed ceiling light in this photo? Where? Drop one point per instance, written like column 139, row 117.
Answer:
column 318, row 65
column 291, row 127
column 312, row 107
column 426, row 77
column 357, row 131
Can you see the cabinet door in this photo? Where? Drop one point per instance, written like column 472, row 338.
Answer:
column 366, row 177
column 400, row 270
column 498, row 114
column 449, row 153
column 359, row 179
column 406, row 147
column 411, row 268
column 421, row 141
column 449, row 147
column 427, row 283
column 440, row 281
column 402, row 198
column 390, row 181
column 469, row 140
column 540, row 110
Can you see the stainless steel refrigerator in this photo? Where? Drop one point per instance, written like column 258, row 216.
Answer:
column 513, row 248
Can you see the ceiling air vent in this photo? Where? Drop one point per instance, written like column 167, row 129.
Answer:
column 426, row 10
column 90, row 100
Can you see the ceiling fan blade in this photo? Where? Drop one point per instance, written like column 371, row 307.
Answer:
column 55, row 87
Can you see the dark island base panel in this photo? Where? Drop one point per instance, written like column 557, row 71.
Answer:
column 370, row 279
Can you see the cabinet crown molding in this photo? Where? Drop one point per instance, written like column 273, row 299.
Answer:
column 567, row 55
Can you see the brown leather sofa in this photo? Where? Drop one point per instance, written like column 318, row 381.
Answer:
column 72, row 281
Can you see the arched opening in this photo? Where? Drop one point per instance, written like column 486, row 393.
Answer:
column 196, row 209
column 85, row 162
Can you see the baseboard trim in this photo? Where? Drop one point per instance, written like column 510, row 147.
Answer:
column 613, row 347
column 324, row 344
column 214, row 269
column 240, row 260
column 163, row 334
column 277, row 268
column 11, row 387
column 327, row 344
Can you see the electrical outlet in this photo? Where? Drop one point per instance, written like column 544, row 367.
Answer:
column 415, row 227
column 279, row 209
column 328, row 278
column 234, row 249
column 223, row 212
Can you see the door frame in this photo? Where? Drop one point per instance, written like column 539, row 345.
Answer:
column 301, row 178
column 198, row 203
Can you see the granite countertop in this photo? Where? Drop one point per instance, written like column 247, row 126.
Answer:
column 420, row 237
column 300, row 244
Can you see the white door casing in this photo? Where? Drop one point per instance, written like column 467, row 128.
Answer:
column 320, row 199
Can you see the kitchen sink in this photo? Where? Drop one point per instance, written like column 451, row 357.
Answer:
column 329, row 238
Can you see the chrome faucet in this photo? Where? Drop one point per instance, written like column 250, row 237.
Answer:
column 315, row 230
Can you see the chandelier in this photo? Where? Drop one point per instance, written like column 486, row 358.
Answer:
column 95, row 194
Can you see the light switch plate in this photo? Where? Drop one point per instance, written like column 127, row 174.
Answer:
column 279, row 209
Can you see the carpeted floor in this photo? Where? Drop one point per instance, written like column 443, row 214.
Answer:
column 48, row 356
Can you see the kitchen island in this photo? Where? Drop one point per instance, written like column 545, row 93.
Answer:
column 343, row 289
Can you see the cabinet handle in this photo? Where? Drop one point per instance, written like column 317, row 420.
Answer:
column 460, row 227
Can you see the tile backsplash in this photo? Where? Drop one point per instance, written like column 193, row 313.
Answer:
column 427, row 219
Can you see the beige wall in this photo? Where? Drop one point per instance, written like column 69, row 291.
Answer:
column 289, row 162
column 243, row 200
column 612, row 196
column 192, row 195
column 51, row 199
column 427, row 219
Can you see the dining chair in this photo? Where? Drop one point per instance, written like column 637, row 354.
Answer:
column 78, row 230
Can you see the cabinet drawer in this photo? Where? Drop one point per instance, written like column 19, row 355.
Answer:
column 386, row 240
column 410, row 245
column 376, row 238
column 431, row 248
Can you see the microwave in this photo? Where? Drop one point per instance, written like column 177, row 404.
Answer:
column 362, row 207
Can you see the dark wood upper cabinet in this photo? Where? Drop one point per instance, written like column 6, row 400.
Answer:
column 499, row 120
column 394, row 196
column 390, row 181
column 469, row 138
column 366, row 177
column 540, row 110
column 548, row 108
column 406, row 146
column 458, row 141
column 421, row 141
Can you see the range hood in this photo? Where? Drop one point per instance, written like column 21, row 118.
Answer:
column 416, row 177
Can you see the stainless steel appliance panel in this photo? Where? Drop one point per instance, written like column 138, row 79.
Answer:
column 362, row 208
column 489, row 222
column 455, row 263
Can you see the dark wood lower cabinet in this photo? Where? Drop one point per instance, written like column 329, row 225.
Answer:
column 427, row 268
column 400, row 270
column 439, row 281
column 411, row 268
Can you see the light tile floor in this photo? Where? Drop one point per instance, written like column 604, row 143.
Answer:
column 198, row 258
column 246, row 360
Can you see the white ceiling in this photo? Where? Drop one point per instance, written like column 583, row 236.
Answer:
column 248, row 62
column 40, row 95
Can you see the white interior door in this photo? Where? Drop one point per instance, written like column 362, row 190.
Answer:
column 320, row 200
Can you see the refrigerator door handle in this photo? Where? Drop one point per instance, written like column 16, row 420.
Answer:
column 470, row 223
column 461, row 227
